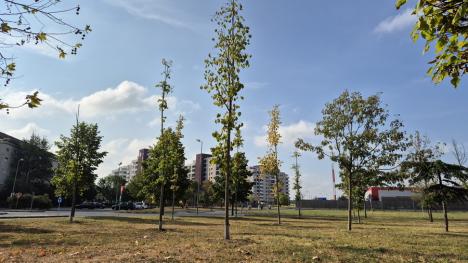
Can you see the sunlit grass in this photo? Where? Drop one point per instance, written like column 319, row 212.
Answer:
column 383, row 237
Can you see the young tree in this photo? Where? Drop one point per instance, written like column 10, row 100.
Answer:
column 25, row 23
column 240, row 186
column 224, row 84
column 270, row 164
column 166, row 89
column 106, row 186
column 358, row 136
column 421, row 153
column 179, row 181
column 297, row 182
column 445, row 181
column 444, row 23
column 78, row 158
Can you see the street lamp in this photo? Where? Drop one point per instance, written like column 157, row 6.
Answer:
column 16, row 174
column 116, row 185
column 201, row 163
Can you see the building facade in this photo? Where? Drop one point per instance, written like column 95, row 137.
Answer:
column 202, row 166
column 7, row 149
column 263, row 187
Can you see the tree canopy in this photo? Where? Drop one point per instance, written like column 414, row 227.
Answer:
column 358, row 135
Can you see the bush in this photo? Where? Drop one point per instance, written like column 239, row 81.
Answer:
column 24, row 202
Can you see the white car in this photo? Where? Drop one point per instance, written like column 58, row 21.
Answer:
column 140, row 205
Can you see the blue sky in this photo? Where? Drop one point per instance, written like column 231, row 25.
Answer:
column 304, row 54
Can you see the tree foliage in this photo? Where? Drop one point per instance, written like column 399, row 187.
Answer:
column 445, row 24
column 78, row 158
column 358, row 135
column 223, row 82
column 444, row 181
column 108, row 187
column 270, row 164
column 240, row 185
column 26, row 23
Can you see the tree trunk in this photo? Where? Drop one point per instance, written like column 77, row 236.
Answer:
column 429, row 211
column 365, row 209
column 358, row 216
column 350, row 203
column 299, row 206
column 161, row 208
column 235, row 201
column 173, row 204
column 72, row 211
column 444, row 207
column 278, row 199
column 227, row 193
column 232, row 208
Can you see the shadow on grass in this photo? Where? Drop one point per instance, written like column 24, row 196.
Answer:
column 5, row 228
column 363, row 250
column 139, row 220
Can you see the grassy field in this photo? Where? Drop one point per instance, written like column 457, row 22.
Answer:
column 320, row 236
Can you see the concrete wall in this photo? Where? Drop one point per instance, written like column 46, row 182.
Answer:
column 385, row 204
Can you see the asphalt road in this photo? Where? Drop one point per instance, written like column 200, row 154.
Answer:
column 5, row 214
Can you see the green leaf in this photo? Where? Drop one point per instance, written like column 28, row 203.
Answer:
column 5, row 28
column 440, row 45
column 399, row 3
column 42, row 36
column 455, row 81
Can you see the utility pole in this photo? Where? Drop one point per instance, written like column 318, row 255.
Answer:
column 201, row 163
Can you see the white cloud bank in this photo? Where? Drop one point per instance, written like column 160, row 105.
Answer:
column 26, row 131
column 396, row 23
column 290, row 133
column 127, row 97
column 121, row 150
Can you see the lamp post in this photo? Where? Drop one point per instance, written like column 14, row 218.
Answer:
column 201, row 163
column 116, row 185
column 16, row 174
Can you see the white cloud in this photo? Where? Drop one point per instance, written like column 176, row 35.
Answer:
column 255, row 85
column 290, row 133
column 396, row 23
column 127, row 97
column 27, row 131
column 158, row 10
column 121, row 150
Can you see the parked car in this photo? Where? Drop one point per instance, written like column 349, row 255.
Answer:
column 89, row 205
column 123, row 206
column 140, row 205
column 99, row 205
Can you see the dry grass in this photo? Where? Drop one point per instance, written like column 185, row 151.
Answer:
column 384, row 237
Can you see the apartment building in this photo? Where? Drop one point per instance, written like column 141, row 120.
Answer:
column 263, row 188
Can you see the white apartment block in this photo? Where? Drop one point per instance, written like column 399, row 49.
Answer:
column 213, row 170
column 191, row 170
column 263, row 186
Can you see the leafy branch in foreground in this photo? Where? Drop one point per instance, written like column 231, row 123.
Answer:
column 444, row 23
column 25, row 23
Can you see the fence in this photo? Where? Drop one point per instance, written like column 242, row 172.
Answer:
column 385, row 204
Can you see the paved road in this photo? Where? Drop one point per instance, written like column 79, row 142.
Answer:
column 5, row 214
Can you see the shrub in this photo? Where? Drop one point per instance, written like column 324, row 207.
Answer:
column 24, row 202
